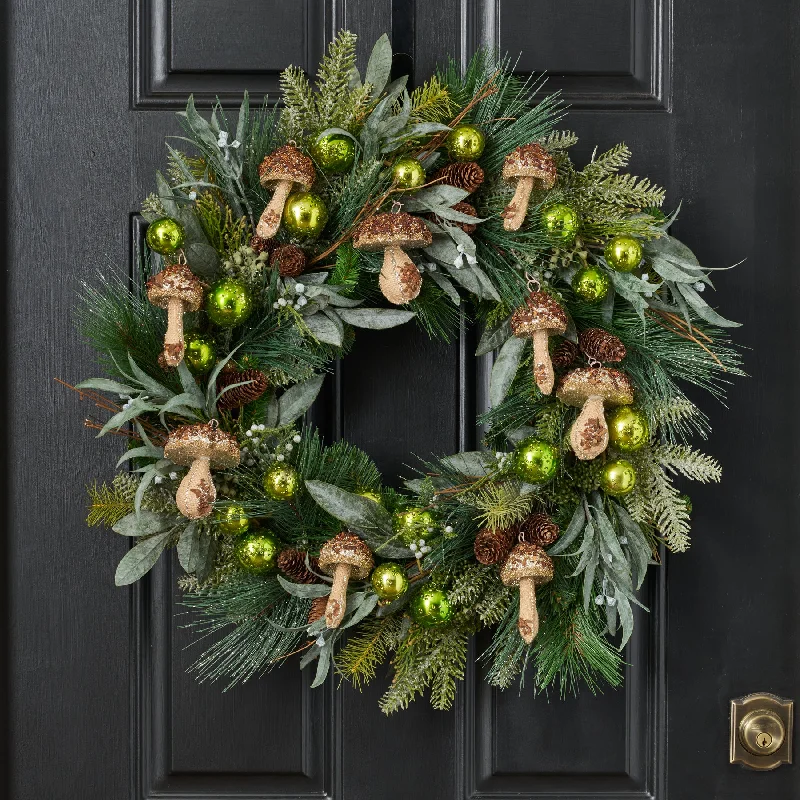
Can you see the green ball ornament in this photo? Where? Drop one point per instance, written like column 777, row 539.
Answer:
column 228, row 303
column 165, row 236
column 560, row 223
column 628, row 429
column 334, row 152
column 431, row 608
column 232, row 520
column 624, row 253
column 389, row 581
column 465, row 143
column 304, row 215
column 535, row 461
column 408, row 173
column 258, row 552
column 591, row 284
column 413, row 524
column 280, row 481
column 618, row 477
column 199, row 353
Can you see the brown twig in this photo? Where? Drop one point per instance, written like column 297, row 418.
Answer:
column 683, row 333
column 293, row 653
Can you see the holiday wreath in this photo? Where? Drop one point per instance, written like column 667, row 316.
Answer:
column 269, row 246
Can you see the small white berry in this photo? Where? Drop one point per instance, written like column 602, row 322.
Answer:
column 262, row 427
column 699, row 286
column 430, row 529
column 599, row 600
column 448, row 529
column 426, row 549
column 612, row 601
column 289, row 446
column 623, row 540
column 321, row 641
column 609, row 557
column 173, row 476
column 281, row 301
column 296, row 438
column 249, row 433
column 281, row 457
column 413, row 546
column 275, row 305
column 299, row 288
column 158, row 479
column 301, row 301
column 422, row 543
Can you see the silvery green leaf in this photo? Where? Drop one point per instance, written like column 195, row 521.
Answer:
column 425, row 129
column 324, row 330
column 505, row 369
column 135, row 408
column 432, row 197
column 493, row 338
column 429, row 159
column 333, row 316
column 589, row 550
column 182, row 404
column 588, row 583
column 466, row 278
column 672, row 248
column 323, row 665
column 442, row 248
column 609, row 537
column 384, row 107
column 576, row 525
column 145, row 523
column 106, row 385
column 414, row 484
column 211, row 386
column 379, row 66
column 473, row 463
column 489, row 292
column 631, row 289
column 518, row 434
column 296, row 400
column 339, row 300
column 203, row 258
column 189, row 547
column 271, row 413
column 355, row 79
column 205, row 132
column 611, row 619
column 165, row 196
column 243, row 118
column 189, row 385
column 316, row 628
column 703, row 310
column 312, row 279
column 338, row 132
column 450, row 214
column 376, row 318
column 446, row 285
column 312, row 654
column 152, row 388
column 306, row 591
column 606, row 310
column 364, row 609
column 462, row 238
column 671, row 272
column 625, row 617
column 149, row 474
column 147, row 451
column 139, row 560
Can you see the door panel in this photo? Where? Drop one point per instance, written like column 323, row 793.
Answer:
column 101, row 704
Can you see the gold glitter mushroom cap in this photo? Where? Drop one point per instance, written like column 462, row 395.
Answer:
column 344, row 556
column 400, row 280
column 527, row 566
column 538, row 318
column 533, row 167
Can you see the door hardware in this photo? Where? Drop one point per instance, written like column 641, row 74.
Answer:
column 761, row 731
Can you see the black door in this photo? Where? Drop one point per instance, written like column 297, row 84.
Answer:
column 100, row 706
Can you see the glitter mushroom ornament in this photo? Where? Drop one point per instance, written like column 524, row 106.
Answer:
column 527, row 566
column 284, row 169
column 533, row 168
column 400, row 280
column 538, row 318
column 344, row 557
column 200, row 447
column 177, row 290
column 593, row 390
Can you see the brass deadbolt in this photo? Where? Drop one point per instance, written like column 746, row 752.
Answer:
column 761, row 731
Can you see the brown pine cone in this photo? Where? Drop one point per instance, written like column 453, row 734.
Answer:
column 261, row 245
column 493, row 546
column 289, row 259
column 564, row 354
column 241, row 395
column 538, row 529
column 464, row 208
column 601, row 345
column 465, row 175
column 317, row 610
column 292, row 563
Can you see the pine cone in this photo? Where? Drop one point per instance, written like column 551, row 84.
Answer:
column 289, row 259
column 538, row 529
column 261, row 245
column 564, row 354
column 601, row 345
column 292, row 563
column 317, row 610
column 241, row 395
column 493, row 546
column 465, row 175
column 464, row 208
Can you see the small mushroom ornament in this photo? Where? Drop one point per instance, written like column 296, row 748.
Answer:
column 532, row 167
column 527, row 566
column 538, row 318
column 593, row 389
column 399, row 280
column 282, row 169
column 200, row 447
column 345, row 557
column 177, row 290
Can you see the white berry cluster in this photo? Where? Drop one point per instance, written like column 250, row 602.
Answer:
column 294, row 296
column 419, row 548
column 503, row 459
column 261, row 447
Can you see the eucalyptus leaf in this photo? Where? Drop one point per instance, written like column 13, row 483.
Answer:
column 139, row 560
column 625, row 617
column 296, row 400
column 437, row 196
column 446, row 285
column 473, row 463
column 306, row 591
column 324, row 330
column 364, row 609
column 146, row 523
column 375, row 318
column 148, row 451
column 493, row 338
column 518, row 434
column 379, row 66
column 702, row 309
column 505, row 369
column 106, row 385
column 323, row 665
column 576, row 525
column 134, row 409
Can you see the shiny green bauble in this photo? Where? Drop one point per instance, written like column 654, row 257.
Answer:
column 232, row 520
column 535, row 461
column 228, row 303
column 334, row 152
column 591, row 284
column 628, row 429
column 413, row 524
column 431, row 608
column 560, row 223
column 624, row 253
column 374, row 496
column 165, row 236
column 199, row 352
column 304, row 215
column 465, row 143
column 280, row 481
column 258, row 552
column 389, row 581
column 618, row 477
column 408, row 173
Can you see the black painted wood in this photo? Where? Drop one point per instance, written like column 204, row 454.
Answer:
column 101, row 706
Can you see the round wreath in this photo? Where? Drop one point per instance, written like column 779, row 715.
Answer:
column 269, row 245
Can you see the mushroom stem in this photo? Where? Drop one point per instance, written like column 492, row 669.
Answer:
column 337, row 599
column 589, row 434
column 399, row 280
column 515, row 211
column 542, row 365
column 271, row 218
column 197, row 493
column 528, row 614
column 173, row 339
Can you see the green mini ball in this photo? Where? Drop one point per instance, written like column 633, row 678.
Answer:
column 430, row 608
column 334, row 152
column 389, row 581
column 591, row 284
column 305, row 215
column 618, row 477
column 258, row 552
column 412, row 524
column 232, row 520
column 228, row 303
column 465, row 143
column 408, row 173
column 199, row 353
column 624, row 253
column 280, row 481
column 535, row 461
column 165, row 236
column 628, row 429
column 561, row 223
